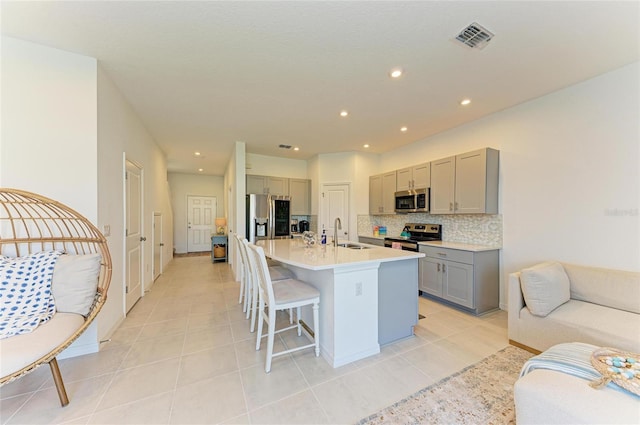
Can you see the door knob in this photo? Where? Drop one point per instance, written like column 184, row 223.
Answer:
column 161, row 244
column 142, row 239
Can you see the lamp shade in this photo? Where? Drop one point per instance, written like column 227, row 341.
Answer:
column 221, row 222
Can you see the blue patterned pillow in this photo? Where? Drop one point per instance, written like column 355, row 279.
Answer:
column 25, row 292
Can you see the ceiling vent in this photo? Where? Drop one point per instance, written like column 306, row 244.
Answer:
column 284, row 146
column 475, row 36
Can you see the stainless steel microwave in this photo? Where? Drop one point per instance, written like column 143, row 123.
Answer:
column 409, row 201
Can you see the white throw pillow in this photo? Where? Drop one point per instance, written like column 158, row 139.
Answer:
column 75, row 279
column 545, row 287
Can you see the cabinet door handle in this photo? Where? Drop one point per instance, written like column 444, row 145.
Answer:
column 456, row 207
column 438, row 267
column 442, row 254
column 443, row 269
column 450, row 206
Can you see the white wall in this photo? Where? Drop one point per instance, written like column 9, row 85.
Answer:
column 569, row 179
column 120, row 131
column 49, row 133
column 49, row 124
column 263, row 165
column 184, row 185
column 235, row 192
column 351, row 167
column 65, row 127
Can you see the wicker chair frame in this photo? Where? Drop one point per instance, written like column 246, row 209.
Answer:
column 30, row 223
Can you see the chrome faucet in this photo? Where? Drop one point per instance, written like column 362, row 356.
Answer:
column 337, row 224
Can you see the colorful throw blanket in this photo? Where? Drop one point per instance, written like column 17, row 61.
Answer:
column 573, row 358
column 25, row 292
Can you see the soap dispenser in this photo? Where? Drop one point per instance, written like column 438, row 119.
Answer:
column 324, row 236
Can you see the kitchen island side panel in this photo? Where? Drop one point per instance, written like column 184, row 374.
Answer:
column 397, row 300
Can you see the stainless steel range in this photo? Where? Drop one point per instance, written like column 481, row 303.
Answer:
column 417, row 232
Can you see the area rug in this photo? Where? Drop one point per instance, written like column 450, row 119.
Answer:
column 479, row 394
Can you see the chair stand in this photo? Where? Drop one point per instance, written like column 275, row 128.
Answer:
column 57, row 379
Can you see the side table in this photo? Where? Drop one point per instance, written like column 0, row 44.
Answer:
column 218, row 248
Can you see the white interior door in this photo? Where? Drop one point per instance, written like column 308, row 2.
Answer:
column 201, row 217
column 335, row 203
column 133, row 234
column 157, row 245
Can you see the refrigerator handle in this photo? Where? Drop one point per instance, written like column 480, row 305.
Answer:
column 271, row 224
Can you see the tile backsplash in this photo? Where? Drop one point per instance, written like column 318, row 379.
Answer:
column 480, row 229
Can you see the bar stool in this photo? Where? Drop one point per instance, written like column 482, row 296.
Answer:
column 249, row 289
column 245, row 275
column 286, row 294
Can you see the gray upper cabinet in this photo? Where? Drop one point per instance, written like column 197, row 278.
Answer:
column 382, row 188
column 388, row 193
column 443, row 185
column 466, row 183
column 267, row 185
column 417, row 177
column 300, row 192
column 375, row 195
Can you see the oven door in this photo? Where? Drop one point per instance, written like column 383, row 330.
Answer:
column 406, row 245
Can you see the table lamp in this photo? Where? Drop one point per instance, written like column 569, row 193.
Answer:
column 220, row 224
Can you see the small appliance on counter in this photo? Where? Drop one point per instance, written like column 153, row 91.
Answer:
column 303, row 226
column 294, row 225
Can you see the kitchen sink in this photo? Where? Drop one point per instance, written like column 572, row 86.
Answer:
column 352, row 246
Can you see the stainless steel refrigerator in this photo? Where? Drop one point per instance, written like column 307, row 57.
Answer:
column 268, row 217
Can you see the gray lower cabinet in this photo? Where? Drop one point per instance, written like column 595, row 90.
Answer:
column 397, row 300
column 466, row 279
column 371, row 241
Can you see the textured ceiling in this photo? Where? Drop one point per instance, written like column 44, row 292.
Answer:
column 202, row 75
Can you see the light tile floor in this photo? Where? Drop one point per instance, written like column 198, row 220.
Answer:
column 184, row 355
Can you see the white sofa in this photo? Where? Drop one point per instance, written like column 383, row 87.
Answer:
column 552, row 303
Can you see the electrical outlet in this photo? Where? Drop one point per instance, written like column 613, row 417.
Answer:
column 358, row 289
column 106, row 230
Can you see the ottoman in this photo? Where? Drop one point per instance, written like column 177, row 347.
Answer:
column 547, row 396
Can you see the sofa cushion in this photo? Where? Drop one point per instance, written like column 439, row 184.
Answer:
column 545, row 287
column 580, row 321
column 25, row 292
column 611, row 288
column 22, row 350
column 75, row 279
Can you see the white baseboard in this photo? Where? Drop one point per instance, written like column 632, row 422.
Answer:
column 75, row 350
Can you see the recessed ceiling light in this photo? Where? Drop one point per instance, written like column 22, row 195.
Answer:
column 344, row 113
column 197, row 153
column 201, row 169
column 465, row 102
column 396, row 73
column 296, row 148
column 403, row 129
column 365, row 146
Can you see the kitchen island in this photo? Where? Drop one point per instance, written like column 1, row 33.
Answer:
column 368, row 297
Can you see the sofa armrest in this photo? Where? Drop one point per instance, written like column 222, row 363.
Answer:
column 516, row 303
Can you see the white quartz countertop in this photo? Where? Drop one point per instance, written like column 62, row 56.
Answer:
column 460, row 246
column 322, row 257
